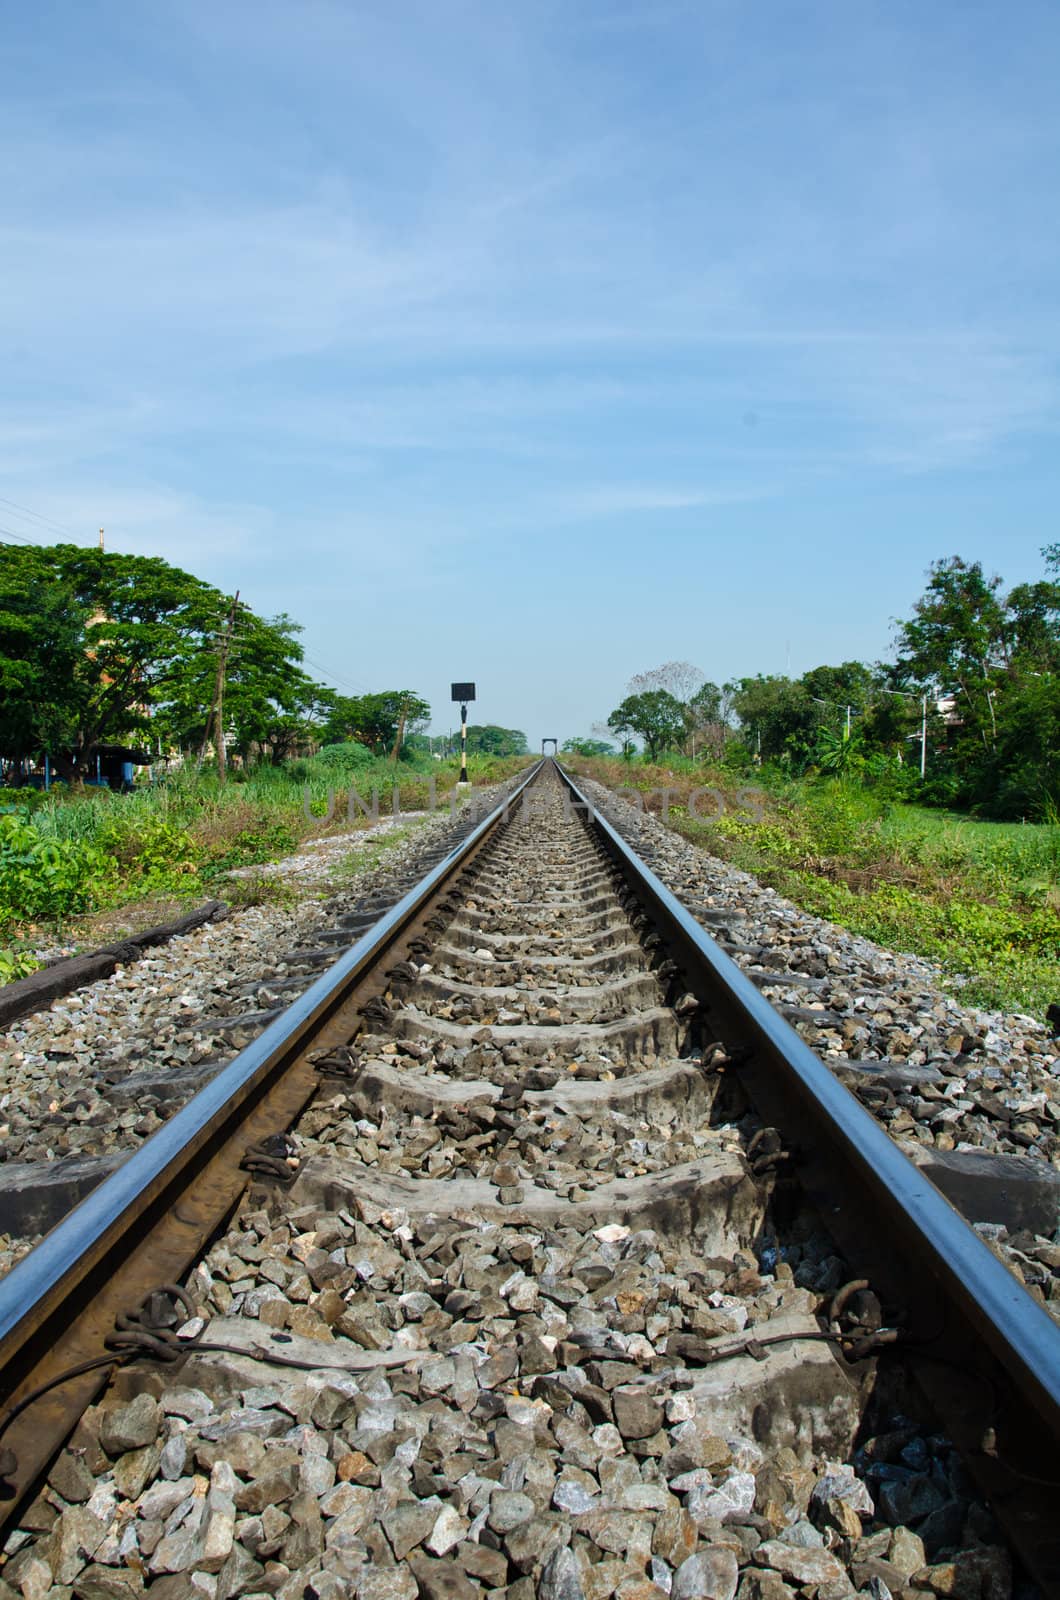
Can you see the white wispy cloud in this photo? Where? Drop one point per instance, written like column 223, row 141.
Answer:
column 626, row 499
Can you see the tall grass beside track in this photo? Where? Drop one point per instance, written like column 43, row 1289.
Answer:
column 73, row 853
column 980, row 898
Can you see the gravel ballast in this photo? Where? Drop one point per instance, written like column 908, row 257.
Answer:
column 486, row 1346
column 99, row 1071
column 950, row 1083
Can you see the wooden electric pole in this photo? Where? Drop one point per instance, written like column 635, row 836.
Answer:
column 217, row 707
column 401, row 730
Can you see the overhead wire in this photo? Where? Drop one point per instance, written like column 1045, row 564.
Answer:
column 37, row 516
column 344, row 683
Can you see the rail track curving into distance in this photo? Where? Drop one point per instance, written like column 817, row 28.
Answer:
column 530, row 1251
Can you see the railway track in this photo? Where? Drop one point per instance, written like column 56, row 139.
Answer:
column 73, row 1117
column 529, row 1251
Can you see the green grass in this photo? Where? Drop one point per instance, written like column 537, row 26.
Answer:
column 1017, row 857
column 980, row 898
column 69, row 854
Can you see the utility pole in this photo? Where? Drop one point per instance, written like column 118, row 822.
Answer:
column 923, row 724
column 217, row 708
column 923, row 735
column 400, row 731
column 839, row 704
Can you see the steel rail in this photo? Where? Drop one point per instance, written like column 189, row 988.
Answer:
column 985, row 1352
column 148, row 1222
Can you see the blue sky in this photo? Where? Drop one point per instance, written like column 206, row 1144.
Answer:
column 537, row 343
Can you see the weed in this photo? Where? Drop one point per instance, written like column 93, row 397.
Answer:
column 980, row 898
column 70, row 852
column 16, row 964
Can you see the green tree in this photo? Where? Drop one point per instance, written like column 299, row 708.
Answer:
column 1033, row 628
column 655, row 715
column 138, row 624
column 98, row 647
column 706, row 705
column 706, row 720
column 42, row 626
column 957, row 640
column 890, row 722
column 341, row 719
column 997, row 657
column 375, row 719
column 703, row 704
column 587, row 747
column 487, row 739
column 292, row 722
column 777, row 718
column 850, row 684
column 1026, row 773
column 270, row 705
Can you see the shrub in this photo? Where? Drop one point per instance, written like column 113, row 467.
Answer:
column 41, row 877
column 347, row 757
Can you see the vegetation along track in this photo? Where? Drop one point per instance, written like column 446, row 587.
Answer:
column 536, row 1297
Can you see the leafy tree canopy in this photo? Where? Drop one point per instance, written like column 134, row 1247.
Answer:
column 968, row 640
column 776, row 715
column 375, row 720
column 42, row 641
column 957, row 638
column 269, row 702
column 850, row 684
column 587, row 747
column 656, row 716
column 487, row 739
column 128, row 630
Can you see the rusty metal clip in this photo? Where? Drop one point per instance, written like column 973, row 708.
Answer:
column 855, row 1319
column 770, row 1161
column 868, row 1346
column 715, row 1058
column 404, row 972
column 766, row 1151
column 151, row 1330
column 376, row 1010
column 273, row 1157
column 717, row 1055
column 340, row 1062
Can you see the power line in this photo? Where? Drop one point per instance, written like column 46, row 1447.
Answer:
column 47, row 522
column 11, row 534
column 344, row 683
